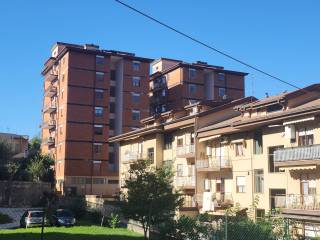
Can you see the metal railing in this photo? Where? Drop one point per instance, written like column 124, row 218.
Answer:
column 158, row 85
column 50, row 140
column 185, row 149
column 49, row 124
column 298, row 201
column 134, row 156
column 50, row 107
column 214, row 163
column 51, row 91
column 187, row 181
column 311, row 152
column 218, row 198
column 51, row 77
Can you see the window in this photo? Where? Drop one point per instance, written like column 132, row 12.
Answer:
column 99, row 76
column 135, row 114
column 136, row 65
column 98, row 129
column 98, row 181
column 180, row 142
column 112, row 106
column 260, row 214
column 258, row 180
column 98, row 111
column 222, row 92
column 151, row 154
column 111, row 158
column 168, row 141
column 163, row 92
column 113, row 75
column 111, row 181
column 136, row 81
column 305, row 137
column 111, row 124
column 180, row 170
column 135, row 97
column 192, row 138
column 241, row 184
column 99, row 59
column 192, row 88
column 274, row 108
column 308, row 184
column 99, row 93
column 112, row 91
column 272, row 167
column 163, row 108
column 257, row 143
column 97, row 147
column 192, row 73
column 221, row 76
column 238, row 149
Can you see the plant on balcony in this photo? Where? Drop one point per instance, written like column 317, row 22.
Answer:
column 149, row 196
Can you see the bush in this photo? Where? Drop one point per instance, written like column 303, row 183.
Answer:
column 113, row 220
column 4, row 218
column 77, row 205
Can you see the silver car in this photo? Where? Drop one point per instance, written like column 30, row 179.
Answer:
column 32, row 218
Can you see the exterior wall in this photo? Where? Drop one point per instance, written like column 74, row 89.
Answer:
column 19, row 143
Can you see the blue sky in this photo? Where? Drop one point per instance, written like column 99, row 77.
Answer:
column 281, row 37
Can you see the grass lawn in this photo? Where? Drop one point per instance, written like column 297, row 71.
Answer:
column 73, row 233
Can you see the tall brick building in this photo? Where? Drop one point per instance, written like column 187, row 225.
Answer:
column 89, row 95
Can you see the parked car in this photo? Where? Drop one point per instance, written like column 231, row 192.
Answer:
column 32, row 218
column 63, row 217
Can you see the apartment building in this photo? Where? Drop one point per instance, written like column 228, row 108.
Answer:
column 235, row 152
column 19, row 143
column 90, row 94
column 175, row 84
column 170, row 139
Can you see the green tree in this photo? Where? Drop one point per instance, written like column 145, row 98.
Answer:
column 40, row 168
column 149, row 196
column 9, row 168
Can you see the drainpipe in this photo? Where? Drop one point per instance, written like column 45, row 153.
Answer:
column 252, row 177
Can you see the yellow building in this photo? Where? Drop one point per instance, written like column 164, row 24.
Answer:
column 230, row 153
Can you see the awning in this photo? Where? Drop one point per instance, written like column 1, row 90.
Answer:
column 237, row 141
column 299, row 168
column 299, row 120
column 209, row 138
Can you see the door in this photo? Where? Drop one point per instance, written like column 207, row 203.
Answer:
column 220, row 156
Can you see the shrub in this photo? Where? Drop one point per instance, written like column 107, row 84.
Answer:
column 113, row 220
column 4, row 218
column 77, row 205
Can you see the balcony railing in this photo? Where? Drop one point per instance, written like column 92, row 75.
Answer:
column 297, row 153
column 188, row 181
column 185, row 150
column 218, row 199
column 298, row 201
column 50, row 141
column 214, row 163
column 51, row 124
column 51, row 77
column 50, row 91
column 158, row 85
column 51, row 107
column 134, row 156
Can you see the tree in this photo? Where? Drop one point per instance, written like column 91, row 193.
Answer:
column 9, row 167
column 149, row 196
column 40, row 168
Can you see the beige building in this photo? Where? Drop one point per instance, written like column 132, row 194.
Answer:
column 231, row 153
column 19, row 143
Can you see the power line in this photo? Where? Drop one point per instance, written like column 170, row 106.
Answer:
column 207, row 45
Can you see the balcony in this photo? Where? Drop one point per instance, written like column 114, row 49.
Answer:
column 217, row 200
column 132, row 156
column 186, row 182
column 297, row 156
column 51, row 124
column 186, row 151
column 214, row 164
column 50, row 91
column 155, row 100
column 51, row 77
column 298, row 202
column 158, row 86
column 50, row 141
column 49, row 108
